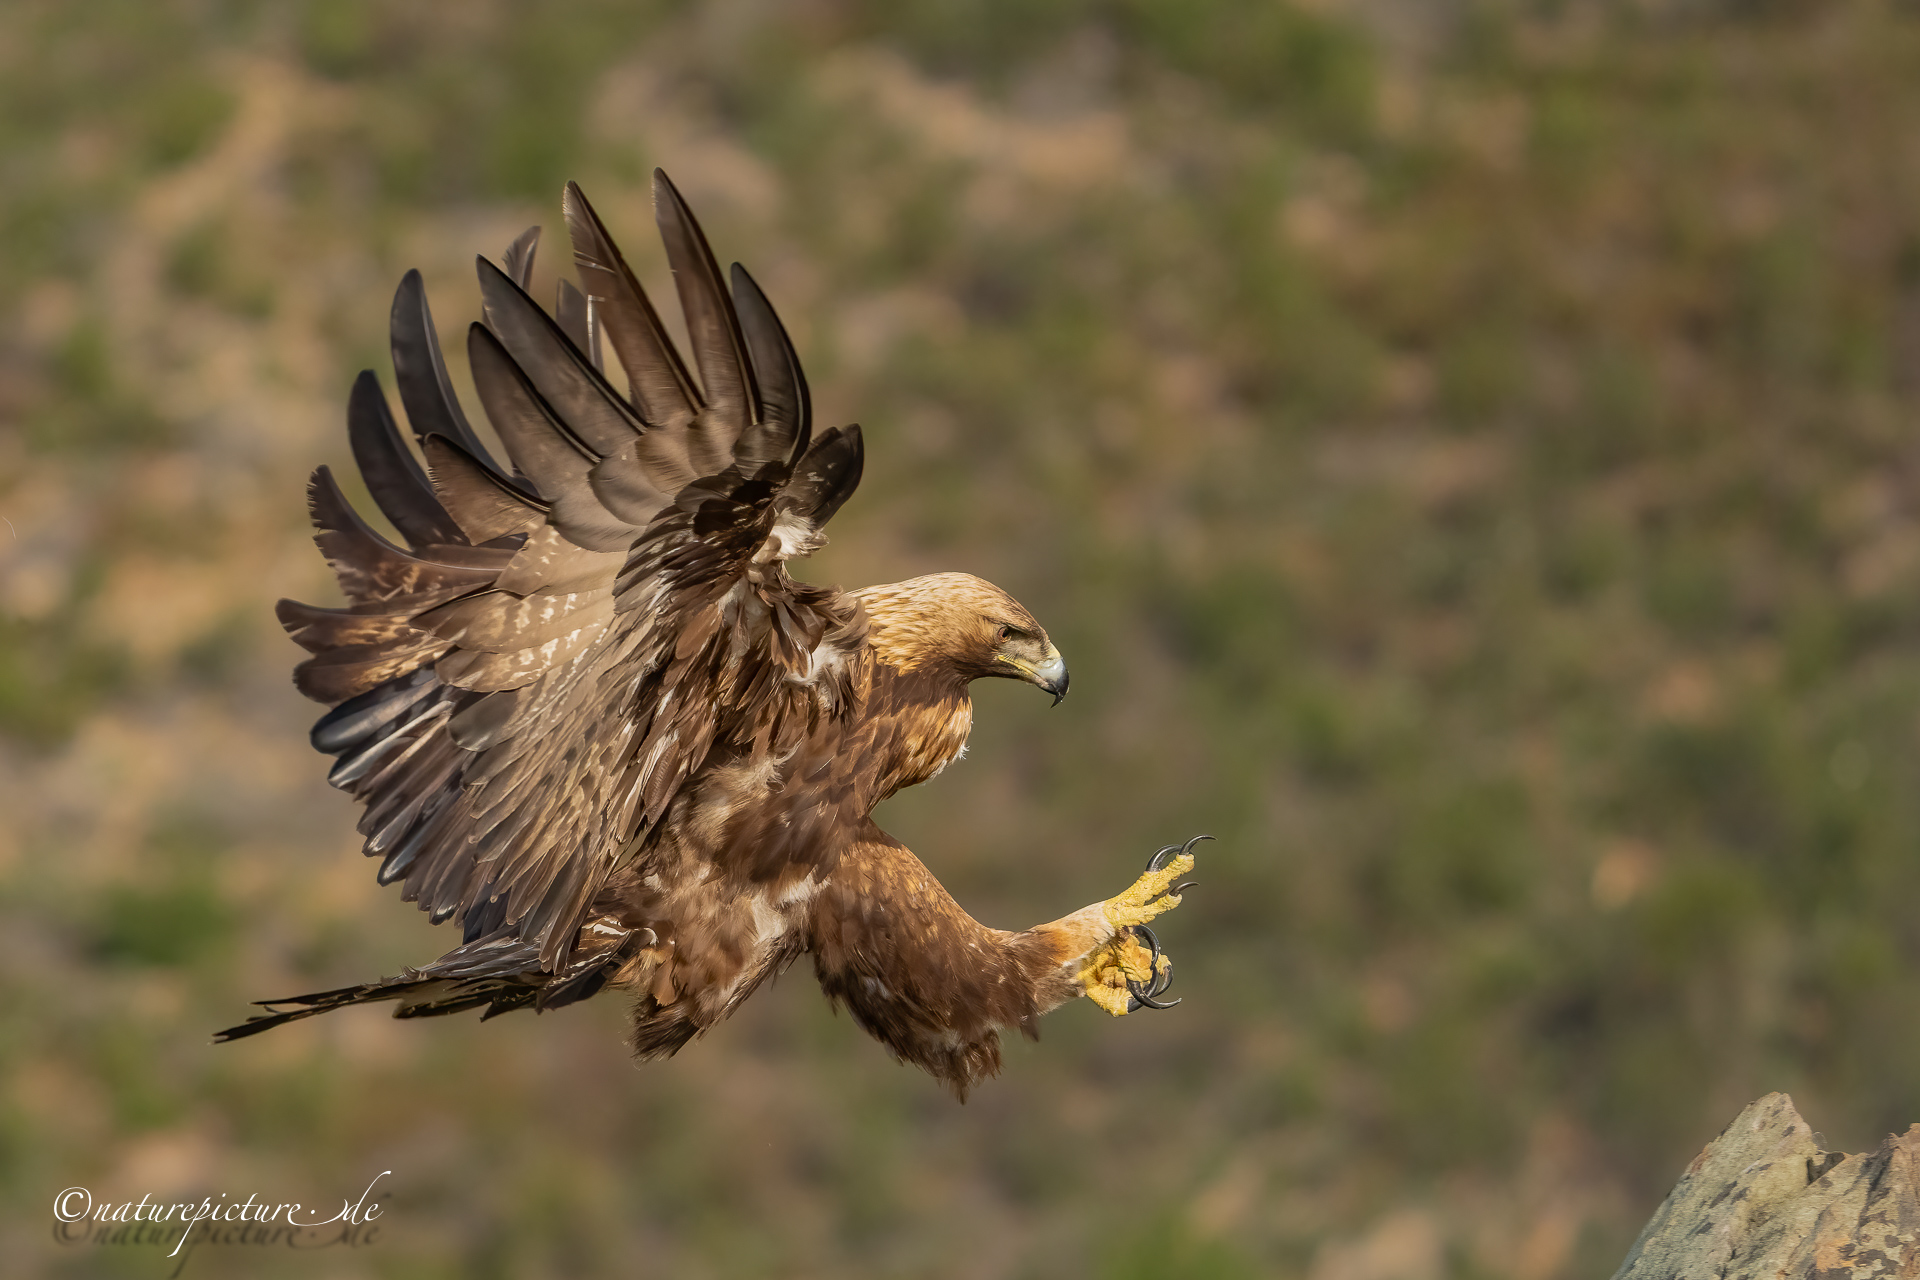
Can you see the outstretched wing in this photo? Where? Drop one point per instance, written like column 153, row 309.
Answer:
column 523, row 690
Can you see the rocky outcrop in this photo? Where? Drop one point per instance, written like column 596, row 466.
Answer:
column 1765, row 1201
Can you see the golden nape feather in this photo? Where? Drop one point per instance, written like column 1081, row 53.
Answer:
column 592, row 719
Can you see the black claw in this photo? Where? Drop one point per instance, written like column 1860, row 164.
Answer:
column 1141, row 995
column 1182, row 888
column 1167, row 854
column 1162, row 979
column 1142, row 998
column 1161, row 859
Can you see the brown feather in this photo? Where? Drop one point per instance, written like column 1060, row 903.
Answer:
column 519, row 256
column 480, row 499
column 398, row 486
column 575, row 312
column 662, row 389
column 541, row 446
column 919, row 974
column 368, row 566
column 719, row 348
column 317, row 630
column 579, row 398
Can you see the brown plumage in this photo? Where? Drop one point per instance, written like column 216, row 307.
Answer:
column 593, row 719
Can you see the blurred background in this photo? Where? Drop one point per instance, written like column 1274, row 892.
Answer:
column 1469, row 453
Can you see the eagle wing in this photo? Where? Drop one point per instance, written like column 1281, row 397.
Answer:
column 521, row 692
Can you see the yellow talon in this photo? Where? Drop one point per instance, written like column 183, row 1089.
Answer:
column 1148, row 897
column 1110, row 969
column 1112, row 999
column 1123, row 970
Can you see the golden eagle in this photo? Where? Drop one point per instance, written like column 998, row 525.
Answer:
column 593, row 719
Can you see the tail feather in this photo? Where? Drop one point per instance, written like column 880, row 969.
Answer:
column 499, row 971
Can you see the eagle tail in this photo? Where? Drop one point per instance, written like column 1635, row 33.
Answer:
column 500, row 971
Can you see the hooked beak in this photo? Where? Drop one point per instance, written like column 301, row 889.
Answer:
column 1051, row 675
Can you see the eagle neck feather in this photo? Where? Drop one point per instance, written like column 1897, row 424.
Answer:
column 922, row 719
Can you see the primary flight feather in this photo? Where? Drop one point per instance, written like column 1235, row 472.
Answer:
column 593, row 719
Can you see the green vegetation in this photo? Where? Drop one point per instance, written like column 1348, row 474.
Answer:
column 1467, row 456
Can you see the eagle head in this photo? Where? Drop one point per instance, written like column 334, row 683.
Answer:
column 963, row 624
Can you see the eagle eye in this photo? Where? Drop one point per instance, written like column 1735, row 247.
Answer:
column 1004, row 633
